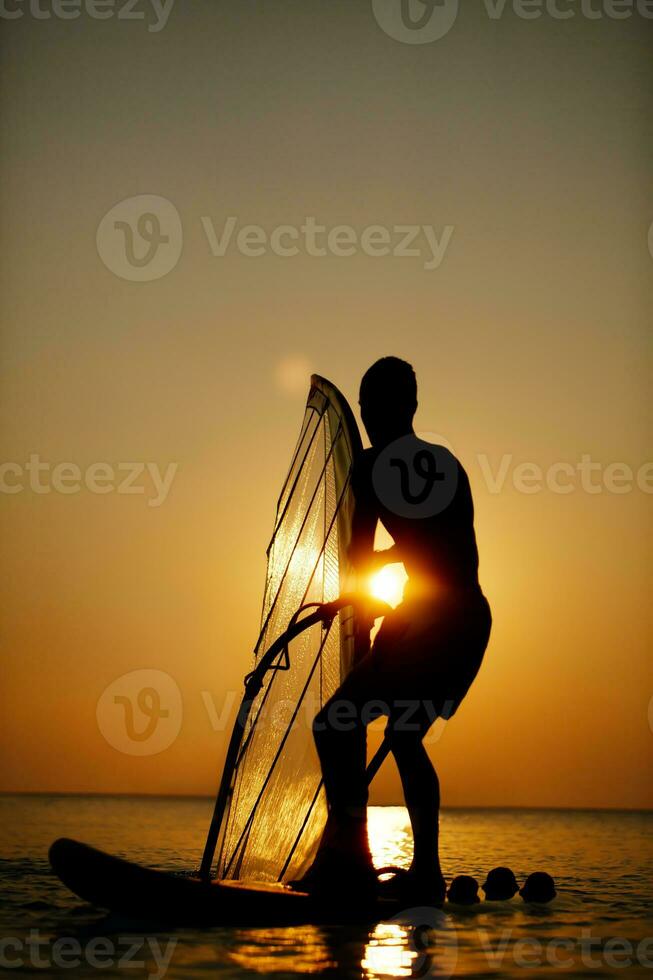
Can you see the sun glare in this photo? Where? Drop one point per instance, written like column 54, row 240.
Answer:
column 388, row 584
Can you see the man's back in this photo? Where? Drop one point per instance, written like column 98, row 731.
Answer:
column 426, row 506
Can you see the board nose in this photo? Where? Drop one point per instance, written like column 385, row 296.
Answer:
column 59, row 850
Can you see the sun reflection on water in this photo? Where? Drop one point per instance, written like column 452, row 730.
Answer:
column 300, row 949
column 390, row 837
column 387, row 953
column 385, row 950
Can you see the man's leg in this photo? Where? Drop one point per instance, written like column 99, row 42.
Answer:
column 340, row 736
column 439, row 657
column 422, row 795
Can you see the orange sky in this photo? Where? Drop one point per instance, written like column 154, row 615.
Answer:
column 529, row 340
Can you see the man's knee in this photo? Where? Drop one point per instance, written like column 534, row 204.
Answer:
column 338, row 716
column 405, row 745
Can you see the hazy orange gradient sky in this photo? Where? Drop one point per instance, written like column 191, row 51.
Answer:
column 523, row 146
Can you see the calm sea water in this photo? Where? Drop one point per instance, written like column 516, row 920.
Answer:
column 600, row 924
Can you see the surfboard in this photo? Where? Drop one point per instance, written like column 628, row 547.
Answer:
column 129, row 889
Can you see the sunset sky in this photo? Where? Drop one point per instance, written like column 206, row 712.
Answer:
column 524, row 147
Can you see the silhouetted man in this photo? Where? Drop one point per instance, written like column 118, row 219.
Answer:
column 427, row 652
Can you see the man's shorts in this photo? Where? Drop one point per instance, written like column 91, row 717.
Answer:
column 423, row 660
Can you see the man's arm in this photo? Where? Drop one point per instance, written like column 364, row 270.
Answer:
column 387, row 556
column 364, row 558
column 361, row 549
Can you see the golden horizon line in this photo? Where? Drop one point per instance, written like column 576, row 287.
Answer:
column 77, row 794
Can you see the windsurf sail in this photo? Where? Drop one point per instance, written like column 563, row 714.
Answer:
column 271, row 808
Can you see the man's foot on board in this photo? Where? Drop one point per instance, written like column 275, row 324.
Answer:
column 339, row 875
column 415, row 887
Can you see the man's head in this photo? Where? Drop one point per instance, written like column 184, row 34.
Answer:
column 388, row 400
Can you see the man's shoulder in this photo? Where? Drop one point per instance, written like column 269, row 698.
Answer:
column 444, row 453
column 407, row 446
